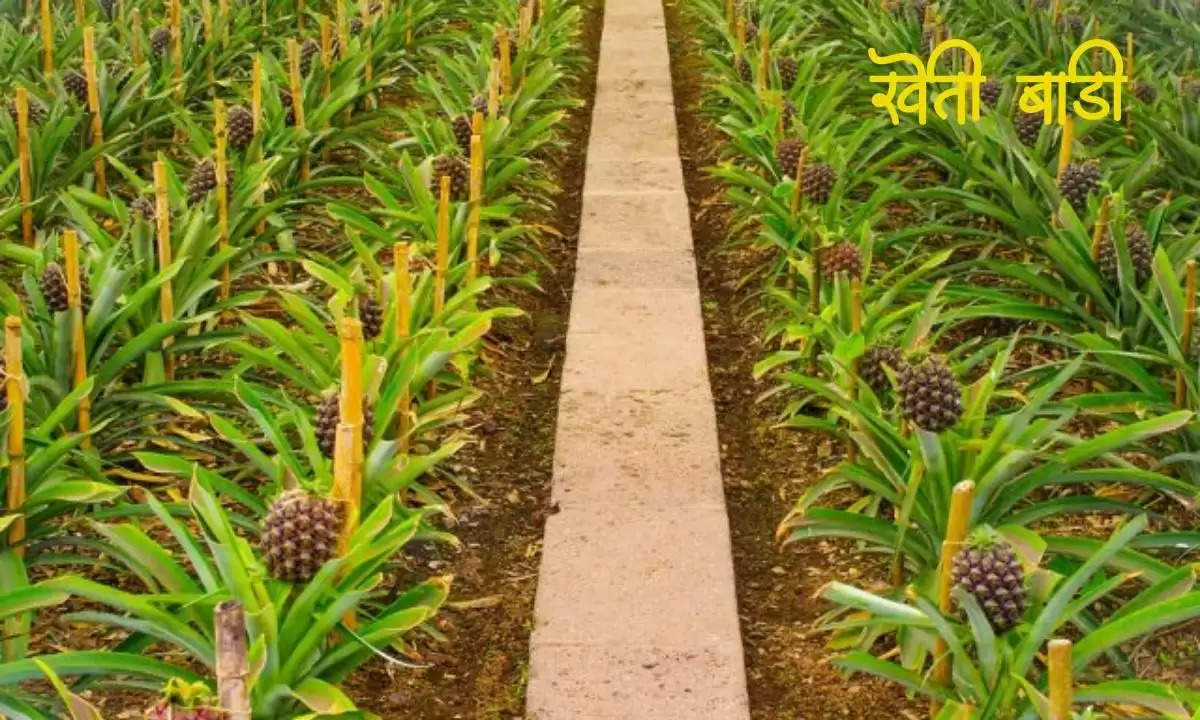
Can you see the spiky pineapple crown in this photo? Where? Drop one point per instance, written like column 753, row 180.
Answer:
column 985, row 537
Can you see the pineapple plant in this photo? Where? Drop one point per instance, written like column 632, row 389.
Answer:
column 143, row 207
column 182, row 700
column 370, row 312
column 1141, row 255
column 300, row 534
column 1079, row 180
column 1028, row 126
column 240, row 127
column 788, row 153
column 988, row 569
column 930, row 396
column 841, row 258
column 788, row 68
column 76, row 85
column 874, row 361
column 54, row 289
column 459, row 174
column 818, row 182
column 329, row 414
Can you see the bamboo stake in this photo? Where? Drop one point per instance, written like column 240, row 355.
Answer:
column 177, row 47
column 856, row 327
column 293, row 50
column 764, row 65
column 494, row 88
column 93, row 98
column 220, row 131
column 14, row 375
column 1061, row 690
column 223, row 22
column 476, row 206
column 1098, row 234
column 136, row 22
column 47, row 41
column 78, row 340
column 505, row 61
column 956, row 532
column 403, row 301
column 443, row 245
column 326, row 52
column 256, row 124
column 162, row 213
column 368, row 22
column 525, row 25
column 343, row 29
column 209, row 33
column 80, row 14
column 26, row 166
column 233, row 665
column 348, row 450
column 1189, row 328
column 1064, row 151
column 740, row 35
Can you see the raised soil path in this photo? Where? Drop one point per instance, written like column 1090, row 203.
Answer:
column 636, row 614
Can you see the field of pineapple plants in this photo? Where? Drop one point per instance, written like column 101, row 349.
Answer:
column 284, row 289
column 955, row 365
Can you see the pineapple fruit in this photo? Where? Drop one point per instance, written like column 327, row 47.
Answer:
column 872, row 366
column 370, row 312
column 1141, row 254
column 54, row 289
column 930, row 396
column 818, row 182
column 788, row 154
column 300, row 534
column 239, row 124
column 1079, row 181
column 1028, row 126
column 841, row 258
column 75, row 84
column 988, row 569
column 329, row 414
column 456, row 169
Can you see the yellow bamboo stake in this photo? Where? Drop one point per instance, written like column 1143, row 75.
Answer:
column 14, row 375
column 177, row 48
column 136, row 22
column 402, row 291
column 1189, row 328
column 223, row 22
column 80, row 14
column 293, row 49
column 368, row 22
column 78, row 340
column 209, row 34
column 26, row 166
column 740, row 35
column 1098, row 234
column 326, row 52
column 494, row 88
column 505, row 61
column 348, row 451
column 855, row 326
column 343, row 29
column 93, row 98
column 47, row 41
column 220, row 131
column 476, row 206
column 443, row 245
column 956, row 532
column 1064, row 150
column 162, row 214
column 764, row 64
column 256, row 122
column 1061, row 690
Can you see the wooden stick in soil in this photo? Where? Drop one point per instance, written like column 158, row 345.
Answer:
column 505, row 61
column 1186, row 337
column 494, row 88
column 233, row 665
column 348, row 450
column 47, row 41
column 1098, row 234
column 1064, row 150
column 136, row 23
column 26, row 166
column 740, row 35
column 1061, row 690
column 93, row 101
column 443, row 245
column 80, row 14
column 293, row 50
column 177, row 48
column 220, row 132
column 343, row 29
column 368, row 22
column 476, row 206
column 210, row 74
column 78, row 341
column 162, row 214
column 403, row 303
column 956, row 532
column 856, row 327
column 764, row 61
column 14, row 375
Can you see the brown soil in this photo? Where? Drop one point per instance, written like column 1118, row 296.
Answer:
column 765, row 470
column 479, row 672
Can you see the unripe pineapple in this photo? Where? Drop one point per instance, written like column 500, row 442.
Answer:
column 930, row 396
column 370, row 312
column 289, row 109
column 463, row 129
column 1028, row 126
column 356, row 25
column 329, row 414
column 751, row 32
column 871, row 366
column 1074, row 23
column 1141, row 255
column 788, row 68
column 3, row 385
column 107, row 7
column 479, row 103
column 788, row 153
column 1145, row 92
column 308, row 52
column 54, row 289
column 1080, row 180
column 990, row 91
column 143, row 207
column 818, row 182
column 457, row 170
column 300, row 534
column 186, row 701
column 841, row 258
column 75, row 84
column 988, row 569
column 202, row 180
column 239, row 125
column 744, row 69
column 37, row 111
column 159, row 40
column 789, row 113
